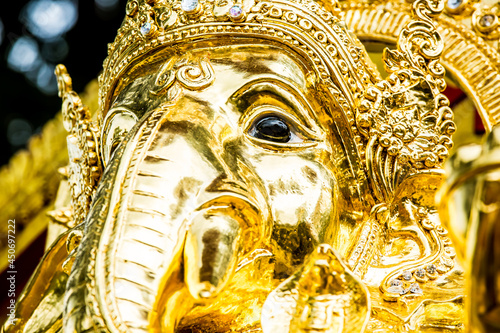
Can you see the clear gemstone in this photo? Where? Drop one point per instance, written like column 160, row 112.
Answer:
column 145, row 28
column 74, row 152
column 406, row 275
column 454, row 4
column 189, row 5
column 396, row 283
column 235, row 11
column 75, row 155
column 396, row 290
column 431, row 269
column 487, row 20
column 420, row 273
column 415, row 288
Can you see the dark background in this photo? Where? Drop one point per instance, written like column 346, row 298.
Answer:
column 36, row 35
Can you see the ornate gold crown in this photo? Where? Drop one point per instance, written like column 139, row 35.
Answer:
column 383, row 115
column 470, row 31
column 312, row 28
column 403, row 123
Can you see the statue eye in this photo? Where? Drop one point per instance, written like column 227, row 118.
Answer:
column 277, row 129
column 270, row 126
column 273, row 129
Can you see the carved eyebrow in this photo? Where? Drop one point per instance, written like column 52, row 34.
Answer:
column 279, row 87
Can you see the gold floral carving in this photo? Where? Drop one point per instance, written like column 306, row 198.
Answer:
column 471, row 60
column 84, row 164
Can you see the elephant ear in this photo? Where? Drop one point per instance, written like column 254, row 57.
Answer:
column 322, row 296
column 406, row 120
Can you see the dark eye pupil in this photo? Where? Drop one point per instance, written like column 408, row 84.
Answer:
column 272, row 129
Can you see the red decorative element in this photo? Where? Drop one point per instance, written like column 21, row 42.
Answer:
column 455, row 95
column 478, row 123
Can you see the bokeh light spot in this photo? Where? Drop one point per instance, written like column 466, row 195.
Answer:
column 24, row 55
column 46, row 80
column 55, row 50
column 49, row 19
column 18, row 132
column 106, row 5
column 1, row 32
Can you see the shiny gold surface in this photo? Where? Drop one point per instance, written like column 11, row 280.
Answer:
column 469, row 205
column 250, row 171
column 470, row 57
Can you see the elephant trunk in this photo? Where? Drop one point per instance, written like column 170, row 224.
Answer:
column 174, row 226
column 210, row 253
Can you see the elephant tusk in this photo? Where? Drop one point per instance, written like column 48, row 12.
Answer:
column 211, row 251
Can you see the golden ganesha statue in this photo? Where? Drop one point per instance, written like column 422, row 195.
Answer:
column 250, row 170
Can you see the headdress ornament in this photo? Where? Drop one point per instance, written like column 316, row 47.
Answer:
column 398, row 126
column 306, row 26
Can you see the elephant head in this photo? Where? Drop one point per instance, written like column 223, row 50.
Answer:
column 223, row 173
column 236, row 139
column 252, row 158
